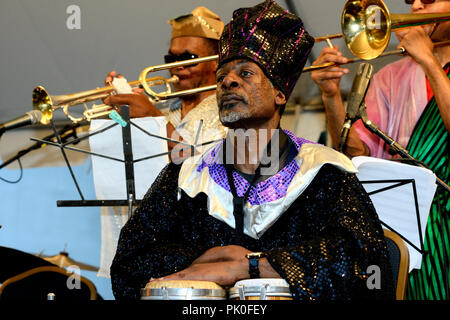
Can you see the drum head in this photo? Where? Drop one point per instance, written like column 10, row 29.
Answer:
column 183, row 290
column 264, row 289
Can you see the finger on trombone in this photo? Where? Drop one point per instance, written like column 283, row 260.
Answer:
column 138, row 90
column 331, row 55
column 110, row 77
column 120, row 99
column 333, row 73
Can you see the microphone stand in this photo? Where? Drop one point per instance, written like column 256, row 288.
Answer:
column 40, row 144
column 395, row 148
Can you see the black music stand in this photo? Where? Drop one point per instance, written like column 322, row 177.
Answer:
column 128, row 161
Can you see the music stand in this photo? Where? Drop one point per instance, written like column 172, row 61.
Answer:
column 128, row 161
column 402, row 196
column 396, row 148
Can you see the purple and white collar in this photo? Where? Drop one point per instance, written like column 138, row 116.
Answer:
column 269, row 199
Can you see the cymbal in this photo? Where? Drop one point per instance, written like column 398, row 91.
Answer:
column 63, row 260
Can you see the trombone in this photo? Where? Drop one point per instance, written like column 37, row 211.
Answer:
column 366, row 28
column 46, row 103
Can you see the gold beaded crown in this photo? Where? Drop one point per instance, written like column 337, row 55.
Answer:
column 202, row 22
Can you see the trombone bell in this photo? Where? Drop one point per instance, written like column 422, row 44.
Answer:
column 42, row 101
column 367, row 26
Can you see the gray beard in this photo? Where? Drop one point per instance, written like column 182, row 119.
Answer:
column 229, row 117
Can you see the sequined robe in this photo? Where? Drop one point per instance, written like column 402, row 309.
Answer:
column 322, row 244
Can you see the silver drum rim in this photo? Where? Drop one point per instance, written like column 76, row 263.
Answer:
column 165, row 293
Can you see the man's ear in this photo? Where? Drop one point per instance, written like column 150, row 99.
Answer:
column 280, row 98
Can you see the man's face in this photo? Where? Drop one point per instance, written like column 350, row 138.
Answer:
column 196, row 76
column 245, row 95
column 439, row 6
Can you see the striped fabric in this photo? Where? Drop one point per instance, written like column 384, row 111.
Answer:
column 429, row 143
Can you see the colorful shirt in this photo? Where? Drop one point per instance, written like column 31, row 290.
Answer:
column 395, row 101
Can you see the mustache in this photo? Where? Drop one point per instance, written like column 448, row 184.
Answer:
column 227, row 98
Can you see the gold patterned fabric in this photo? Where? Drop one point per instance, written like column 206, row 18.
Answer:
column 202, row 22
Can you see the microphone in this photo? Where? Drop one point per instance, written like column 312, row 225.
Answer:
column 31, row 117
column 355, row 99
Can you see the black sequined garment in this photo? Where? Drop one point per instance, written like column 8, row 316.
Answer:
column 322, row 245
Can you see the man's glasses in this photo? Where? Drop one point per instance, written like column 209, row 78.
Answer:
column 423, row 1
column 169, row 58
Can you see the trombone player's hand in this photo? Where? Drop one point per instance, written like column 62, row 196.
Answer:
column 140, row 105
column 329, row 79
column 417, row 43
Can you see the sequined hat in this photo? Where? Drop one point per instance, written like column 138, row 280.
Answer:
column 202, row 22
column 270, row 36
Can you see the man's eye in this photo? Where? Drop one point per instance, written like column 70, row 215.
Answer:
column 220, row 78
column 245, row 73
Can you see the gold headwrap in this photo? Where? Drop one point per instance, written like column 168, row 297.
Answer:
column 202, row 22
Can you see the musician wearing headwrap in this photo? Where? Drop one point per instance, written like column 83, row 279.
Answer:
column 296, row 205
column 409, row 100
column 193, row 35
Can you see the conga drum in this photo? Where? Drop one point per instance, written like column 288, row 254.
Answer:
column 260, row 289
column 183, row 290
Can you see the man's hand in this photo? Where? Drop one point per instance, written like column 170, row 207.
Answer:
column 140, row 105
column 225, row 253
column 113, row 74
column 223, row 265
column 222, row 273
column 328, row 79
column 417, row 43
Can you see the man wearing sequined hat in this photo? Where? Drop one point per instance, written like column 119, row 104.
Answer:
column 298, row 212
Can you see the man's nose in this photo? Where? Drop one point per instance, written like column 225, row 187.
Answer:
column 178, row 69
column 230, row 81
column 417, row 5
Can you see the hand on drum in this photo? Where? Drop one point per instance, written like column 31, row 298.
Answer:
column 225, row 253
column 224, row 273
column 328, row 79
column 222, row 265
column 140, row 105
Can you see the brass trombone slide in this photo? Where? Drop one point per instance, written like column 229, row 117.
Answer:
column 356, row 59
column 161, row 96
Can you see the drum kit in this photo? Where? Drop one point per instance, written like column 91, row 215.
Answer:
column 249, row 289
column 63, row 260
column 20, row 261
